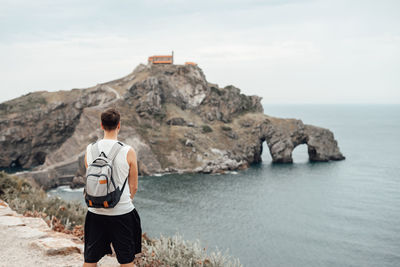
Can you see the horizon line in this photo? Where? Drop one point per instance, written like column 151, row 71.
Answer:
column 330, row 103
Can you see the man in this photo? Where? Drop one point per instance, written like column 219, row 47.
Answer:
column 119, row 225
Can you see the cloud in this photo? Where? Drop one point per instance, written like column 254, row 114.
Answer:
column 285, row 51
column 290, row 51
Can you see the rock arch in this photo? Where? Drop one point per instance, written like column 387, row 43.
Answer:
column 284, row 135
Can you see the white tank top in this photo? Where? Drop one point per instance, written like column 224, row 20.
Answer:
column 121, row 166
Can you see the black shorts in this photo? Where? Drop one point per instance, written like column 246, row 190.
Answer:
column 123, row 231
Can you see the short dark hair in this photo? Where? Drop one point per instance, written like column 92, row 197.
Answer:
column 110, row 119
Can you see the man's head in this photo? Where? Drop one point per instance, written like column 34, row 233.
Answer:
column 110, row 120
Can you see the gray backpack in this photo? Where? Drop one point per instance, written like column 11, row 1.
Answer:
column 100, row 190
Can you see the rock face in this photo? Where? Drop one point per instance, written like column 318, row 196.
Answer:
column 174, row 119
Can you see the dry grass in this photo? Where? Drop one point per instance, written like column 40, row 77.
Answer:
column 175, row 251
column 22, row 197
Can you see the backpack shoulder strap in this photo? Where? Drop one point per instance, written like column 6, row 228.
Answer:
column 95, row 150
column 115, row 150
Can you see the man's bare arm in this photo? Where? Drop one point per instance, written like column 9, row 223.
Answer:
column 133, row 172
column 86, row 165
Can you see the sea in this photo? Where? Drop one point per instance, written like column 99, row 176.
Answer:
column 337, row 213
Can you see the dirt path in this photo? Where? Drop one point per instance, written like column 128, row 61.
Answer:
column 109, row 88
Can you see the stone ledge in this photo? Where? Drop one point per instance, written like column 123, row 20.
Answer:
column 57, row 246
column 36, row 229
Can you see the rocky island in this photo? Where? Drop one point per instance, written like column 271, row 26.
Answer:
column 170, row 114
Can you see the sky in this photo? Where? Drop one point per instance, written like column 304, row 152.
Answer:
column 287, row 51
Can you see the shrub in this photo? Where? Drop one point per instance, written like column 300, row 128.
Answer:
column 175, row 251
column 206, row 129
column 226, row 128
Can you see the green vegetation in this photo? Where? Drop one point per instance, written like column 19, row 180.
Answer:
column 23, row 197
column 206, row 129
column 182, row 141
column 175, row 251
column 27, row 102
column 68, row 217
column 226, row 128
column 217, row 90
column 147, row 125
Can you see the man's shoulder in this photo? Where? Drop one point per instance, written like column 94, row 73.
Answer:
column 90, row 145
column 125, row 145
column 125, row 148
column 130, row 148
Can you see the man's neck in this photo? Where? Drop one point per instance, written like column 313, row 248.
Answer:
column 113, row 135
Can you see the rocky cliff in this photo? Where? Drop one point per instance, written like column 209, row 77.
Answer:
column 174, row 119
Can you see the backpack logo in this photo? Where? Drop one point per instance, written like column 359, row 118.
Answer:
column 100, row 190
